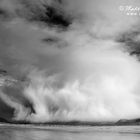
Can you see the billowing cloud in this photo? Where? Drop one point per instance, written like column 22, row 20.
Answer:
column 72, row 59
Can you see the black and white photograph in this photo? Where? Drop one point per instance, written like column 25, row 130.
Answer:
column 69, row 69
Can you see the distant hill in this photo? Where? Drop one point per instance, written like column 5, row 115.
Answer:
column 128, row 122
column 85, row 123
column 65, row 123
column 77, row 123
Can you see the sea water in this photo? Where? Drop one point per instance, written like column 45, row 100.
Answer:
column 30, row 132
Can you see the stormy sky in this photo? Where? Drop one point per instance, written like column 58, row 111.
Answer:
column 69, row 60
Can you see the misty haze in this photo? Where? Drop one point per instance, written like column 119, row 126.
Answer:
column 69, row 69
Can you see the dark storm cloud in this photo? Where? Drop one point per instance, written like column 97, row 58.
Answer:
column 11, row 95
column 6, row 111
column 55, row 42
column 44, row 12
column 2, row 13
column 132, row 40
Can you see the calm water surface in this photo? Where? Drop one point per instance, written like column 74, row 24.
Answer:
column 8, row 132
